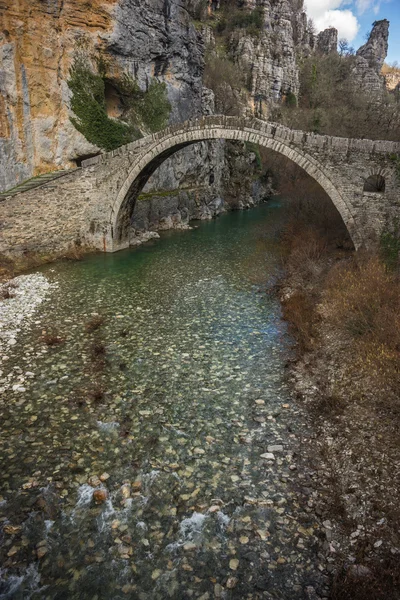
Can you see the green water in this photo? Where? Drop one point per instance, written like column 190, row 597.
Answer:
column 170, row 402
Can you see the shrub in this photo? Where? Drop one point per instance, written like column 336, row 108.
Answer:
column 298, row 310
column 362, row 300
column 331, row 102
column 89, row 107
column 252, row 21
column 390, row 249
column 148, row 110
column 226, row 80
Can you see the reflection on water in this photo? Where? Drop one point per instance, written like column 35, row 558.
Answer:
column 153, row 457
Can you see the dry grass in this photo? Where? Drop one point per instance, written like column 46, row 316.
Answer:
column 362, row 301
column 299, row 310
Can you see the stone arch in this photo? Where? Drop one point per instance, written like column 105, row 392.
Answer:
column 166, row 143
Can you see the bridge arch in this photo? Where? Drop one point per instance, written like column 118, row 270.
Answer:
column 169, row 141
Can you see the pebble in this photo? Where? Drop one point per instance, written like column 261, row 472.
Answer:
column 100, row 496
column 267, row 456
column 276, row 448
column 231, row 583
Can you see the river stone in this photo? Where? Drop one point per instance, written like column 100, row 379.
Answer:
column 267, row 456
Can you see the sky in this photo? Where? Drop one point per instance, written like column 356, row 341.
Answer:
column 353, row 19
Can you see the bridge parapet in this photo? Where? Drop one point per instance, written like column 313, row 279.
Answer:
column 274, row 130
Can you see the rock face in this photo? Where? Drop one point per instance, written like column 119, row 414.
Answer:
column 327, row 41
column 376, row 48
column 146, row 39
column 370, row 58
column 36, row 45
column 269, row 58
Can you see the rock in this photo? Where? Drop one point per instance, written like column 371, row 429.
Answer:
column 233, row 564
column 100, row 496
column 13, row 550
column 42, row 551
column 267, row 456
column 327, row 41
column 11, row 529
column 104, row 477
column 94, row 481
column 276, row 448
column 231, row 583
column 375, row 50
column 359, row 572
column 126, row 490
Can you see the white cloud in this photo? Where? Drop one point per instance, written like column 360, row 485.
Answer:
column 317, row 8
column 363, row 5
column 328, row 13
column 343, row 20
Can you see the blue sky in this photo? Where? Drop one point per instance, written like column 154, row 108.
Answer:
column 353, row 19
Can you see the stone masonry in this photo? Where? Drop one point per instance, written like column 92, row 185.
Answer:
column 93, row 205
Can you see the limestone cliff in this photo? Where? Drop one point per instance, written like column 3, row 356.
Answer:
column 269, row 58
column 144, row 39
column 371, row 57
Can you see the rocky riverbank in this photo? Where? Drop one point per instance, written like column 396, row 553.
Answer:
column 351, row 398
column 19, row 301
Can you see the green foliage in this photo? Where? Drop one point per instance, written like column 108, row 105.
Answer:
column 390, row 248
column 88, row 104
column 252, row 147
column 152, row 107
column 142, row 110
column 395, row 158
column 252, row 21
column 291, row 99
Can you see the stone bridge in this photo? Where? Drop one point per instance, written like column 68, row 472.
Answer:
column 94, row 204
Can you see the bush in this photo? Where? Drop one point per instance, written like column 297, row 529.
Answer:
column 226, row 80
column 148, row 110
column 252, row 21
column 390, row 249
column 332, row 102
column 362, row 300
column 89, row 106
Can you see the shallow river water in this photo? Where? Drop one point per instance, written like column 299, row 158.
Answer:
column 155, row 457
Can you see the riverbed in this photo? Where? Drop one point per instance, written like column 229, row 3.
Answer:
column 150, row 449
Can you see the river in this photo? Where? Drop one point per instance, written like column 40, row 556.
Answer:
column 153, row 453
